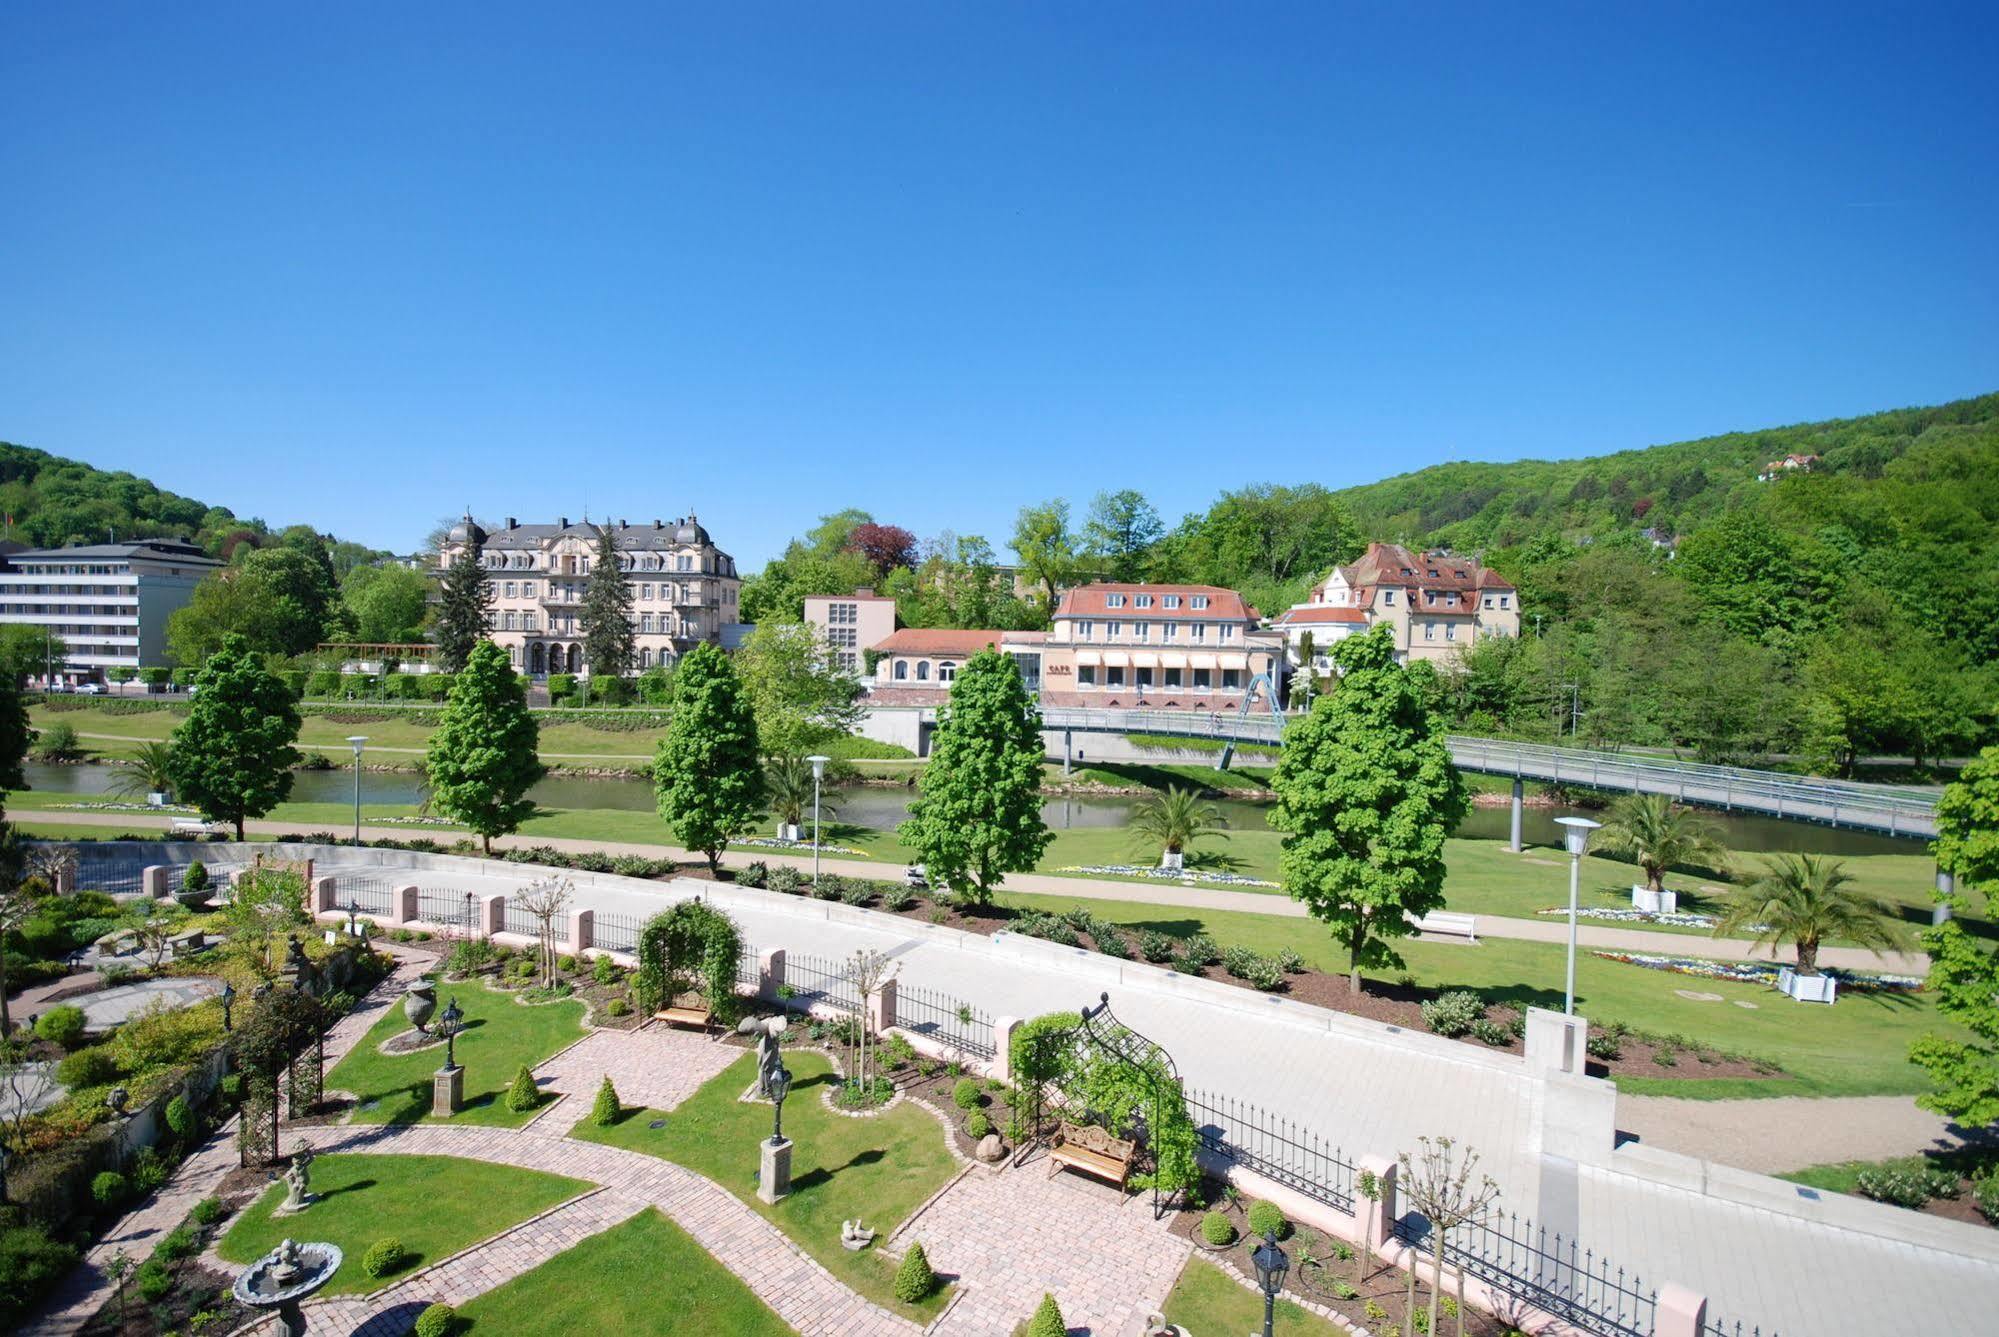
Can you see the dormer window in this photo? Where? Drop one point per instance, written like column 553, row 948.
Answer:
column 1198, row 601
column 1169, row 601
column 1433, row 572
column 1113, row 601
column 1142, row 601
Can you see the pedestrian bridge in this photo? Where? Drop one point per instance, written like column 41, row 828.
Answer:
column 1889, row 809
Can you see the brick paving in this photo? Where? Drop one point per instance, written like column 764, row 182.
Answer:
column 1010, row 1235
column 655, row 1067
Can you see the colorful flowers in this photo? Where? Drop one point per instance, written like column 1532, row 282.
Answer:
column 1620, row 915
column 1156, row 874
column 1756, row 972
column 772, row 843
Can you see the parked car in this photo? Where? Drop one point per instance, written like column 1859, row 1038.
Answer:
column 90, row 689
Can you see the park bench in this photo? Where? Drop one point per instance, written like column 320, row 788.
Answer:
column 1094, row 1151
column 1449, row 923
column 191, row 826
column 677, row 1013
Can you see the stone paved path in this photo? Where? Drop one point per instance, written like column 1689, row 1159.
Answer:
column 1011, row 1235
column 655, row 1067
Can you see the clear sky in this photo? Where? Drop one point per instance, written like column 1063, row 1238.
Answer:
column 362, row 264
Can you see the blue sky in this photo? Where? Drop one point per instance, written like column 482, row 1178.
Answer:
column 361, row 265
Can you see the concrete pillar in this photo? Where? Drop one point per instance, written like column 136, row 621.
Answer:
column 325, row 895
column 1377, row 1215
column 1519, row 798
column 1003, row 1029
column 770, row 971
column 1680, row 1312
column 495, row 918
column 153, row 882
column 1556, row 1042
column 1068, row 750
column 881, row 1008
column 582, row 931
column 405, row 905
column 1940, row 913
column 65, row 881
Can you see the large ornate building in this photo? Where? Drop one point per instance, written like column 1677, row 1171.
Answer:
column 1436, row 603
column 684, row 588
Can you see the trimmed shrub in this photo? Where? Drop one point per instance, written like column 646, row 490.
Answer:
column 385, row 1256
column 1453, row 1014
column 195, row 878
column 1200, row 950
column 95, row 1066
column 1217, row 1229
column 786, row 879
column 207, row 1212
column 604, row 1111
column 109, row 1188
column 617, row 1007
column 914, row 1280
column 61, row 1025
column 522, row 1094
column 438, row 1320
column 1047, row 1320
column 966, row 1094
column 155, row 1279
column 1265, row 1217
column 977, row 1125
column 180, row 1117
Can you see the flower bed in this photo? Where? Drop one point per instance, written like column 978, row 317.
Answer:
column 1620, row 915
column 1154, row 873
column 1756, row 972
column 803, row 846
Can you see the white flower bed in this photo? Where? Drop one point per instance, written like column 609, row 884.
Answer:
column 804, row 846
column 1153, row 873
column 123, row 807
column 1618, row 915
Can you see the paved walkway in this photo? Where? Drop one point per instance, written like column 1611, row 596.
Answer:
column 654, row 1067
column 1786, row 1133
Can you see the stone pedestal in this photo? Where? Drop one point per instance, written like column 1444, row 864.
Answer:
column 447, row 1091
column 774, row 1173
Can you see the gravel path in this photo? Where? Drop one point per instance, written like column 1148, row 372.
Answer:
column 1787, row 1132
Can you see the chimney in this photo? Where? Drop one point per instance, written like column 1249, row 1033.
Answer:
column 865, row 592
column 563, row 523
column 657, row 525
column 513, row 523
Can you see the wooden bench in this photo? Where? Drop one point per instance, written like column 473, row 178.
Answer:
column 693, row 1014
column 1094, row 1151
column 1449, row 923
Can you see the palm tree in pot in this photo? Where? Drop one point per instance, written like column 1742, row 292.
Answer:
column 1648, row 830
column 1803, row 899
column 788, row 783
column 1175, row 819
column 148, row 772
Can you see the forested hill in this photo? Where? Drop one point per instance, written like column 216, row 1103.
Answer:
column 1670, row 488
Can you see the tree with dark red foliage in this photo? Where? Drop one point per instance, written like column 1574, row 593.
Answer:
column 884, row 546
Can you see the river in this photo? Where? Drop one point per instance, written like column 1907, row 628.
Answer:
column 882, row 807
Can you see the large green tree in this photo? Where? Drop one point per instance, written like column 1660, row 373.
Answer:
column 233, row 755
column 1121, row 529
column 482, row 760
column 1366, row 796
column 463, row 608
column 1046, row 547
column 386, row 604
column 801, row 697
column 1964, row 971
column 15, row 736
column 30, row 652
column 979, row 815
column 708, row 771
column 609, row 643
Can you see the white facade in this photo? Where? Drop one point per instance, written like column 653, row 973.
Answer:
column 107, row 602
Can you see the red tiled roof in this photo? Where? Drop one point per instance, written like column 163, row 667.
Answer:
column 1393, row 565
column 1089, row 601
column 938, row 641
column 1303, row 614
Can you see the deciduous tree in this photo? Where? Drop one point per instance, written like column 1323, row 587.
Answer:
column 1120, row 531
column 233, row 755
column 1045, row 547
column 885, row 547
column 799, row 694
column 708, row 773
column 1964, row 972
column 482, row 761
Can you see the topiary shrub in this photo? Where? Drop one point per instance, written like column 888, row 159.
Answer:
column 438, row 1320
column 617, row 1007
column 1047, row 1320
column 977, row 1125
column 109, row 1188
column 522, row 1094
column 385, row 1256
column 207, row 1212
column 1217, row 1229
column 1453, row 1014
column 966, row 1094
column 95, row 1066
column 180, row 1117
column 604, row 1111
column 1265, row 1217
column 61, row 1025
column 914, row 1280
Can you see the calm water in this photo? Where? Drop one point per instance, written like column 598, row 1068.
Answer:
column 882, row 808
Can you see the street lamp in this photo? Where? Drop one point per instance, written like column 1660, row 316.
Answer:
column 818, row 770
column 448, row 1022
column 228, row 1002
column 353, row 914
column 357, row 741
column 1271, row 1265
column 780, row 1087
column 1575, row 833
column 469, row 898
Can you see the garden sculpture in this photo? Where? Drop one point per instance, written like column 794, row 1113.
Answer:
column 297, row 1179
column 768, row 1030
column 855, row 1236
column 419, row 1003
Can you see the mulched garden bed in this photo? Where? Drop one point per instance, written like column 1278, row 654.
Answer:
column 197, row 1289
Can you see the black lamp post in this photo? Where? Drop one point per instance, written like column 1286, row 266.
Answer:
column 353, row 913
column 448, row 1022
column 1271, row 1265
column 780, row 1087
column 469, row 898
column 228, row 1003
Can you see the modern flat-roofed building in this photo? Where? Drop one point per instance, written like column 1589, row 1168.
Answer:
column 684, row 588
column 851, row 624
column 107, row 602
column 1435, row 601
column 1156, row 647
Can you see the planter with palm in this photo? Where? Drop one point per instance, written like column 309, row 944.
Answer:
column 1175, row 819
column 149, row 772
column 788, row 783
column 1648, row 830
column 1805, row 899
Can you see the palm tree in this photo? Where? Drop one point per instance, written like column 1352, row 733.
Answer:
column 1805, row 899
column 1655, row 835
column 149, row 772
column 788, row 783
column 1176, row 819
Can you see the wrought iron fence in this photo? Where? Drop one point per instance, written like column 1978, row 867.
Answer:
column 1714, row 1327
column 615, row 932
column 443, row 908
column 814, row 980
column 1274, row 1147
column 518, row 920
column 374, row 895
column 746, row 966
column 1545, row 1269
column 116, row 877
column 942, row 1017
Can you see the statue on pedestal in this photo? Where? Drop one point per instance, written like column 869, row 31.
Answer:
column 297, row 1179
column 768, row 1030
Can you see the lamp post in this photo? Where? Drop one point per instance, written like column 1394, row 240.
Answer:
column 448, row 1022
column 1575, row 834
column 469, row 898
column 353, row 914
column 357, row 741
column 1271, row 1265
column 228, row 1003
column 818, row 770
column 780, row 1087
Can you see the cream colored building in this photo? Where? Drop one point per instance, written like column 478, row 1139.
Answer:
column 684, row 588
column 1437, row 602
column 851, row 624
column 1155, row 647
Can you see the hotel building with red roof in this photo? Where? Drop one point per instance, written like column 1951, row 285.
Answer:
column 1436, row 602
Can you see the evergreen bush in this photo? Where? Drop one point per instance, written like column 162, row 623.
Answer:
column 1047, row 1320
column 522, row 1094
column 385, row 1256
column 438, row 1320
column 1217, row 1229
column 604, row 1112
column 61, row 1025
column 1266, row 1217
column 1453, row 1014
column 914, row 1280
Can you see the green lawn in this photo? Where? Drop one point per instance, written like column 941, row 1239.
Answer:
column 367, row 1198
column 499, row 1036
column 643, row 1278
column 1206, row 1300
column 1858, row 1047
column 879, row 1169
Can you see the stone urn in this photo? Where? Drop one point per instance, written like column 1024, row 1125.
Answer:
column 420, row 1004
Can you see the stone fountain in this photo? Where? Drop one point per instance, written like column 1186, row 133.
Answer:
column 284, row 1277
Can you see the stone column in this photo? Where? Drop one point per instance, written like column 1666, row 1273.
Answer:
column 1940, row 913
column 1519, row 800
column 582, row 931
column 495, row 917
column 881, row 1008
column 1377, row 1217
column 1680, row 1312
column 408, row 902
column 447, row 1090
column 1003, row 1029
column 153, row 881
column 774, row 1171
column 325, row 895
column 1068, row 750
column 770, row 971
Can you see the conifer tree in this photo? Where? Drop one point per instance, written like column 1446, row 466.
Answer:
column 1366, row 796
column 606, row 615
column 979, row 815
column 463, row 608
column 233, row 756
column 482, row 760
column 708, row 772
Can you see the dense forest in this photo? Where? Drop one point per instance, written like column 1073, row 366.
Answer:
column 1841, row 610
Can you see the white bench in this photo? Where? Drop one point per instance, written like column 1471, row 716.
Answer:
column 1449, row 923
column 190, row 825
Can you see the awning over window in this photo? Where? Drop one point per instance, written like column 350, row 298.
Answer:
column 1089, row 657
column 1172, row 659
column 1145, row 659
column 1116, row 659
column 1201, row 661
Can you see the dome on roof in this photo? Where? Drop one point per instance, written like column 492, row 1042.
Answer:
column 690, row 531
column 466, row 531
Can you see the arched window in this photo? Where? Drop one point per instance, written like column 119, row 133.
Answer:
column 923, row 670
column 535, row 660
column 645, row 659
column 901, row 670
column 946, row 671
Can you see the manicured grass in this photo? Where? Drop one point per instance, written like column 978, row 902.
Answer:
column 1207, row 1300
column 879, row 1169
column 499, row 1036
column 1857, row 1047
column 643, row 1278
column 436, row 1205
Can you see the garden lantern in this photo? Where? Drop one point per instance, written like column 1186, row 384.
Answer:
column 357, row 741
column 353, row 913
column 469, row 898
column 780, row 1087
column 818, row 770
column 228, row 1002
column 449, row 1021
column 1575, row 833
column 1271, row 1265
